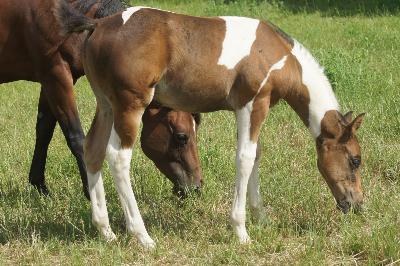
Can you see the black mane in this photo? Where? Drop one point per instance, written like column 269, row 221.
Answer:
column 283, row 34
column 106, row 7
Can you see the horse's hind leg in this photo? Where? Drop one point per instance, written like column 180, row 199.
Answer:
column 45, row 125
column 255, row 199
column 95, row 150
column 58, row 89
column 119, row 152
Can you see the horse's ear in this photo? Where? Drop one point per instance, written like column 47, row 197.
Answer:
column 332, row 125
column 351, row 128
column 197, row 118
column 348, row 117
column 357, row 122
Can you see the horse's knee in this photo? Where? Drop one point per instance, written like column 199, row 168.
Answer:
column 75, row 143
column 92, row 160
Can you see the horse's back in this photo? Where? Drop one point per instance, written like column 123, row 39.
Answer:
column 203, row 61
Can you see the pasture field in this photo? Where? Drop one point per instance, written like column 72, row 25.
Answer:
column 360, row 50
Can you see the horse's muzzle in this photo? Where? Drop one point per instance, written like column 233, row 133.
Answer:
column 345, row 206
column 185, row 191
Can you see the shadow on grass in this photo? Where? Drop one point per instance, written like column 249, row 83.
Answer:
column 32, row 216
column 340, row 8
column 29, row 215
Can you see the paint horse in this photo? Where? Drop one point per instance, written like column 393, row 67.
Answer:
column 201, row 64
column 32, row 48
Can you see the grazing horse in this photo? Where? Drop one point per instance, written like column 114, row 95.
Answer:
column 169, row 139
column 32, row 48
column 201, row 64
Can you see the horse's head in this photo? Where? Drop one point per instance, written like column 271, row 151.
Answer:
column 339, row 158
column 169, row 139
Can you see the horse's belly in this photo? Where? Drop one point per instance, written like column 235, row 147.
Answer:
column 192, row 98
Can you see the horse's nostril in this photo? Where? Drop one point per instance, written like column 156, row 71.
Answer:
column 182, row 138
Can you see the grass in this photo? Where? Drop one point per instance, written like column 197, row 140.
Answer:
column 361, row 57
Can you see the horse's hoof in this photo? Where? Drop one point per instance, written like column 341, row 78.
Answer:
column 244, row 240
column 42, row 189
column 145, row 240
column 148, row 244
column 108, row 235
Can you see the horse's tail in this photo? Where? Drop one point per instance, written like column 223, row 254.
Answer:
column 71, row 20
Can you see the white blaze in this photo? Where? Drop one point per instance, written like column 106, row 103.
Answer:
column 239, row 38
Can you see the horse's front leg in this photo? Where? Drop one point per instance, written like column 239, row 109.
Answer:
column 245, row 156
column 58, row 89
column 249, row 121
column 119, row 153
column 45, row 125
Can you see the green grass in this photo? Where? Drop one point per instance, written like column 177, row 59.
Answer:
column 361, row 55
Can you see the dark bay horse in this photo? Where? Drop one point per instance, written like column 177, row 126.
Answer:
column 202, row 64
column 32, row 48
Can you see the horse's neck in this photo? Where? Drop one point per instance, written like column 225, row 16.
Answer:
column 314, row 96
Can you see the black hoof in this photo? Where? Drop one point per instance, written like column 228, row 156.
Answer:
column 42, row 189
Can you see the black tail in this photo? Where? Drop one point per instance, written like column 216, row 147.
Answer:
column 71, row 20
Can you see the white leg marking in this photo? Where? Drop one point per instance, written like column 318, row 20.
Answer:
column 255, row 199
column 278, row 65
column 245, row 156
column 322, row 98
column 99, row 208
column 119, row 160
column 239, row 38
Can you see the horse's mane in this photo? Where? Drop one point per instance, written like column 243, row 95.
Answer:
column 283, row 34
column 106, row 7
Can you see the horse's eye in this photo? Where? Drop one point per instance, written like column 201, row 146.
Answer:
column 181, row 138
column 355, row 162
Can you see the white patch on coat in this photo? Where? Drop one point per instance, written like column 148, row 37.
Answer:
column 245, row 157
column 194, row 125
column 119, row 160
column 129, row 12
column 322, row 98
column 239, row 38
column 278, row 65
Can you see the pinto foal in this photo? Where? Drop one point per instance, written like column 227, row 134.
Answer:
column 202, row 65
